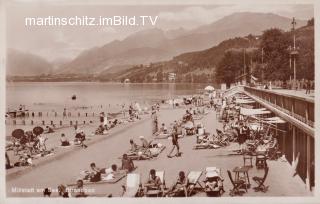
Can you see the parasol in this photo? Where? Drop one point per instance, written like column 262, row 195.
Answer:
column 17, row 133
column 38, row 130
column 209, row 88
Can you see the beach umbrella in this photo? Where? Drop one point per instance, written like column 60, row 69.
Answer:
column 17, row 133
column 209, row 88
column 38, row 130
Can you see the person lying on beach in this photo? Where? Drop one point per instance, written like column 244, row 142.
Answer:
column 127, row 163
column 153, row 182
column 24, row 160
column 180, row 185
column 64, row 141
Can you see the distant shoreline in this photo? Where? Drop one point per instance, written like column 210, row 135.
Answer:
column 103, row 82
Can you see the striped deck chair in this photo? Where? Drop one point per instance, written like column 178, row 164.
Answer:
column 132, row 186
column 193, row 180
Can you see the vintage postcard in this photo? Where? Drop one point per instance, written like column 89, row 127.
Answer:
column 159, row 101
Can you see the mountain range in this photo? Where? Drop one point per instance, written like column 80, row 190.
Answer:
column 156, row 45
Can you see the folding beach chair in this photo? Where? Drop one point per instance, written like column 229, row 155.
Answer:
column 236, row 185
column 260, row 181
column 214, row 174
column 158, row 192
column 133, row 186
column 193, row 180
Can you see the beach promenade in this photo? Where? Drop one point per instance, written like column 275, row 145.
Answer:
column 106, row 152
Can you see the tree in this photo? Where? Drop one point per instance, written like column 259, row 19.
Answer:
column 275, row 44
column 160, row 76
column 310, row 22
column 230, row 67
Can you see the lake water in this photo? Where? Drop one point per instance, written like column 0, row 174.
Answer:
column 57, row 95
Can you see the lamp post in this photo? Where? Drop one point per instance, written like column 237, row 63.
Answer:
column 293, row 52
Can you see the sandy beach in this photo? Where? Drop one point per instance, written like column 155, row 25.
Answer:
column 65, row 169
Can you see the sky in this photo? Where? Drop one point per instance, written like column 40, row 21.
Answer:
column 66, row 42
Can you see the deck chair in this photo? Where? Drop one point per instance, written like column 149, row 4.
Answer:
column 219, row 179
column 193, row 180
column 158, row 192
column 133, row 186
column 237, row 185
column 260, row 181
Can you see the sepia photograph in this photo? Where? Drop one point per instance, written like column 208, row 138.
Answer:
column 196, row 100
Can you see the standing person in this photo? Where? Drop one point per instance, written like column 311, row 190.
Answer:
column 64, row 112
column 175, row 141
column 102, row 118
column 123, row 110
column 308, row 87
column 241, row 136
column 130, row 111
column 154, row 121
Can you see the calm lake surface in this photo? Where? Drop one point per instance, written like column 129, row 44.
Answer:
column 57, row 95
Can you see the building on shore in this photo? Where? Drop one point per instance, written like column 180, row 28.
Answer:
column 172, row 77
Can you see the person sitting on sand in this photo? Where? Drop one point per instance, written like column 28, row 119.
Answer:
column 100, row 129
column 79, row 191
column 64, row 141
column 111, row 170
column 144, row 142
column 163, row 129
column 62, row 190
column 127, row 163
column 49, row 129
column 134, row 146
column 95, row 174
column 153, row 182
column 80, row 138
column 180, row 185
